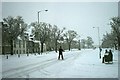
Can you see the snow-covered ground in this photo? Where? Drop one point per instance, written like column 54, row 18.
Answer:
column 76, row 64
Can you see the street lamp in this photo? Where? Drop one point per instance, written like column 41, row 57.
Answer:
column 39, row 12
column 38, row 22
column 98, row 35
column 98, row 40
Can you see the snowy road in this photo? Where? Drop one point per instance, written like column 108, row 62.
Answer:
column 76, row 64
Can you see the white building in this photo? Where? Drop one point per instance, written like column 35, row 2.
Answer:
column 30, row 46
column 19, row 46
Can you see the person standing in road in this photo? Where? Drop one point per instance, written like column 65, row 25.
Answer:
column 60, row 53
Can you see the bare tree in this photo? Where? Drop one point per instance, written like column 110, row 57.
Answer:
column 89, row 42
column 57, row 33
column 14, row 27
column 70, row 35
column 41, row 32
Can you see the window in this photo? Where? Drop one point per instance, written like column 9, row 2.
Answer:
column 14, row 44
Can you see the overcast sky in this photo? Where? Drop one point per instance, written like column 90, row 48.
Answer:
column 78, row 16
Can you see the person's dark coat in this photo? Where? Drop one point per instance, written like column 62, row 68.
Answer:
column 60, row 53
column 110, row 56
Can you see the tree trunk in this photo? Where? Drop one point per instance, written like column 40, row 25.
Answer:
column 3, row 49
column 118, row 43
column 33, row 47
column 11, row 48
column 115, row 45
column 79, row 46
column 42, row 47
column 69, row 46
column 39, row 50
column 56, row 45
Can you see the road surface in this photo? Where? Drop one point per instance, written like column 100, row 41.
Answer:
column 76, row 64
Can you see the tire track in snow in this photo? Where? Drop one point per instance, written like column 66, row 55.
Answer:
column 16, row 72
column 27, row 69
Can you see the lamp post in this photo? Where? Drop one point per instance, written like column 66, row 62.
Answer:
column 38, row 23
column 98, row 40
column 39, row 12
column 98, row 35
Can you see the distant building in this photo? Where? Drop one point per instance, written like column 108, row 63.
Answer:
column 23, row 47
column 19, row 46
column 30, row 46
column 37, row 46
column 34, row 46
